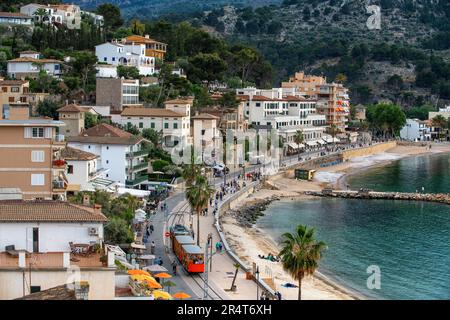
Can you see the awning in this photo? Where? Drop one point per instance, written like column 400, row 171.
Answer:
column 137, row 246
column 134, row 192
column 73, row 187
column 311, row 143
column 293, row 145
column 155, row 268
column 321, row 142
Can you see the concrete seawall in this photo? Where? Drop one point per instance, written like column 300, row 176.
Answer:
column 427, row 197
column 367, row 151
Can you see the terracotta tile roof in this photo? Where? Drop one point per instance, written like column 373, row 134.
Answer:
column 29, row 59
column 150, row 112
column 57, row 293
column 14, row 15
column 12, row 82
column 205, row 116
column 140, row 39
column 106, row 134
column 180, row 101
column 69, row 153
column 48, row 211
column 106, row 130
column 71, row 108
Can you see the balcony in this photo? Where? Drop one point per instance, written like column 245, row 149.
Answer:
column 137, row 180
column 59, row 185
column 140, row 166
column 59, row 140
column 135, row 154
column 59, row 164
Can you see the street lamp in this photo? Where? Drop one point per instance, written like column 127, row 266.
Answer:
column 257, row 282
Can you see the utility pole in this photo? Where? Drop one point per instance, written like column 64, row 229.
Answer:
column 205, row 279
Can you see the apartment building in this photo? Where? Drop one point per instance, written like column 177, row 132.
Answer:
column 38, row 241
column 206, row 136
column 333, row 102
column 306, row 84
column 68, row 15
column 416, row 130
column 73, row 116
column 15, row 19
column 153, row 48
column 29, row 64
column 31, row 155
column 117, row 93
column 84, row 171
column 129, row 55
column 120, row 152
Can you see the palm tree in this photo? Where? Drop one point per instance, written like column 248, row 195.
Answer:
column 300, row 254
column 41, row 13
column 298, row 139
column 439, row 122
column 237, row 266
column 198, row 194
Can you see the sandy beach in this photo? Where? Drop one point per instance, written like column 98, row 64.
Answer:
column 249, row 242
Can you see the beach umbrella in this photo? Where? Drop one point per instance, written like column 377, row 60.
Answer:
column 163, row 275
column 181, row 295
column 169, row 284
column 155, row 268
column 158, row 294
column 138, row 272
column 153, row 284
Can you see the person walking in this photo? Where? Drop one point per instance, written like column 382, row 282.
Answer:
column 152, row 247
column 151, row 228
column 174, row 267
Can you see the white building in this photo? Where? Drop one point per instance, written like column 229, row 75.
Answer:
column 206, row 136
column 36, row 252
column 174, row 126
column 14, row 18
column 416, row 130
column 84, row 171
column 68, row 15
column 287, row 115
column 29, row 64
column 129, row 55
column 120, row 152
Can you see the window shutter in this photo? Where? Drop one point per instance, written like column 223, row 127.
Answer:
column 28, row 133
column 37, row 180
column 37, row 156
column 48, row 133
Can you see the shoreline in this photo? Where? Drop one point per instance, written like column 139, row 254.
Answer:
column 249, row 242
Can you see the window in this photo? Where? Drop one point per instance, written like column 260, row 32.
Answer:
column 34, row 289
column 37, row 156
column 37, row 179
column 37, row 132
column 175, row 125
column 166, row 125
column 70, row 169
column 105, row 59
column 152, row 125
column 107, row 161
column 11, row 99
column 107, row 147
column 14, row 89
column 141, row 124
column 5, row 89
column 113, row 58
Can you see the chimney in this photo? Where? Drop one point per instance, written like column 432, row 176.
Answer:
column 81, row 290
column 86, row 200
column 97, row 208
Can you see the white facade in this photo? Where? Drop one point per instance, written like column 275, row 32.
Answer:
column 415, row 130
column 53, row 236
column 68, row 15
column 106, row 71
column 30, row 64
column 130, row 55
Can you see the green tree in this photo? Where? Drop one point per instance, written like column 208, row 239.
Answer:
column 137, row 27
column 228, row 100
column 118, row 231
column 41, row 13
column 111, row 15
column 83, row 64
column 198, row 195
column 153, row 136
column 439, row 122
column 298, row 139
column 47, row 108
column 207, row 67
column 90, row 120
column 385, row 119
column 128, row 72
column 300, row 254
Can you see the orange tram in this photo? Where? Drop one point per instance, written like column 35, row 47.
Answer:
column 188, row 253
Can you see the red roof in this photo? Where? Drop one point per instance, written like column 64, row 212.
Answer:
column 106, row 130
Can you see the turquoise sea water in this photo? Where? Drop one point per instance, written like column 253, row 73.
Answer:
column 407, row 175
column 409, row 241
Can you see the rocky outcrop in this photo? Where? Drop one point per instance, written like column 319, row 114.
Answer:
column 247, row 215
column 428, row 197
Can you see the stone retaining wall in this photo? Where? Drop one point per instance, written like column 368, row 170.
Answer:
column 367, row 151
